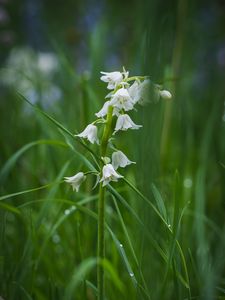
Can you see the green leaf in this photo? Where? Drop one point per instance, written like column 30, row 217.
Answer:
column 13, row 159
column 29, row 190
column 10, row 208
column 159, row 202
column 57, row 124
column 78, row 276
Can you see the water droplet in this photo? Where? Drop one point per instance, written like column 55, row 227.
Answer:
column 56, row 238
column 121, row 245
column 131, row 274
column 187, row 183
column 169, row 225
column 67, row 212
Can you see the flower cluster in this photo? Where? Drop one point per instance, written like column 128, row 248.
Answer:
column 126, row 93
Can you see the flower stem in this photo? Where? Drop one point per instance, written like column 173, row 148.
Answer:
column 107, row 131
column 101, row 242
column 101, row 210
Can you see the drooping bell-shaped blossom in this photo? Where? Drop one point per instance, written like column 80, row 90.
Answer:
column 103, row 111
column 76, row 180
column 122, row 100
column 134, row 92
column 109, row 174
column 119, row 159
column 140, row 92
column 124, row 122
column 90, row 133
column 144, row 92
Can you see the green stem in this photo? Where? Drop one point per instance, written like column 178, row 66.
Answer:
column 101, row 242
column 107, row 131
column 101, row 210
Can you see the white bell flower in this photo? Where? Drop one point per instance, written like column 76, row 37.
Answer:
column 90, row 133
column 109, row 174
column 140, row 91
column 144, row 92
column 122, row 100
column 113, row 79
column 104, row 110
column 134, row 92
column 76, row 180
column 165, row 94
column 124, row 122
column 119, row 159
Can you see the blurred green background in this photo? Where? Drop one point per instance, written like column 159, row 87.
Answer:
column 52, row 53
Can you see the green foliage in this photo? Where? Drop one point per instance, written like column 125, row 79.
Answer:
column 165, row 221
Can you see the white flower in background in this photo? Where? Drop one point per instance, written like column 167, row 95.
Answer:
column 122, row 100
column 119, row 159
column 165, row 94
column 109, row 174
column 90, row 133
column 134, row 93
column 124, row 122
column 144, row 92
column 76, row 180
column 113, row 79
column 140, row 91
column 47, row 62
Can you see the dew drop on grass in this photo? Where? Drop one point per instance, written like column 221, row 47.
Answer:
column 187, row 183
column 56, row 238
column 67, row 212
column 72, row 208
column 223, row 117
column 131, row 274
column 121, row 245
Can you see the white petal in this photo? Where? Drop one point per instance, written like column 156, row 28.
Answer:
column 134, row 92
column 124, row 122
column 144, row 92
column 119, row 159
column 113, row 78
column 76, row 180
column 165, row 94
column 90, row 133
column 103, row 112
column 122, row 100
column 109, row 174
